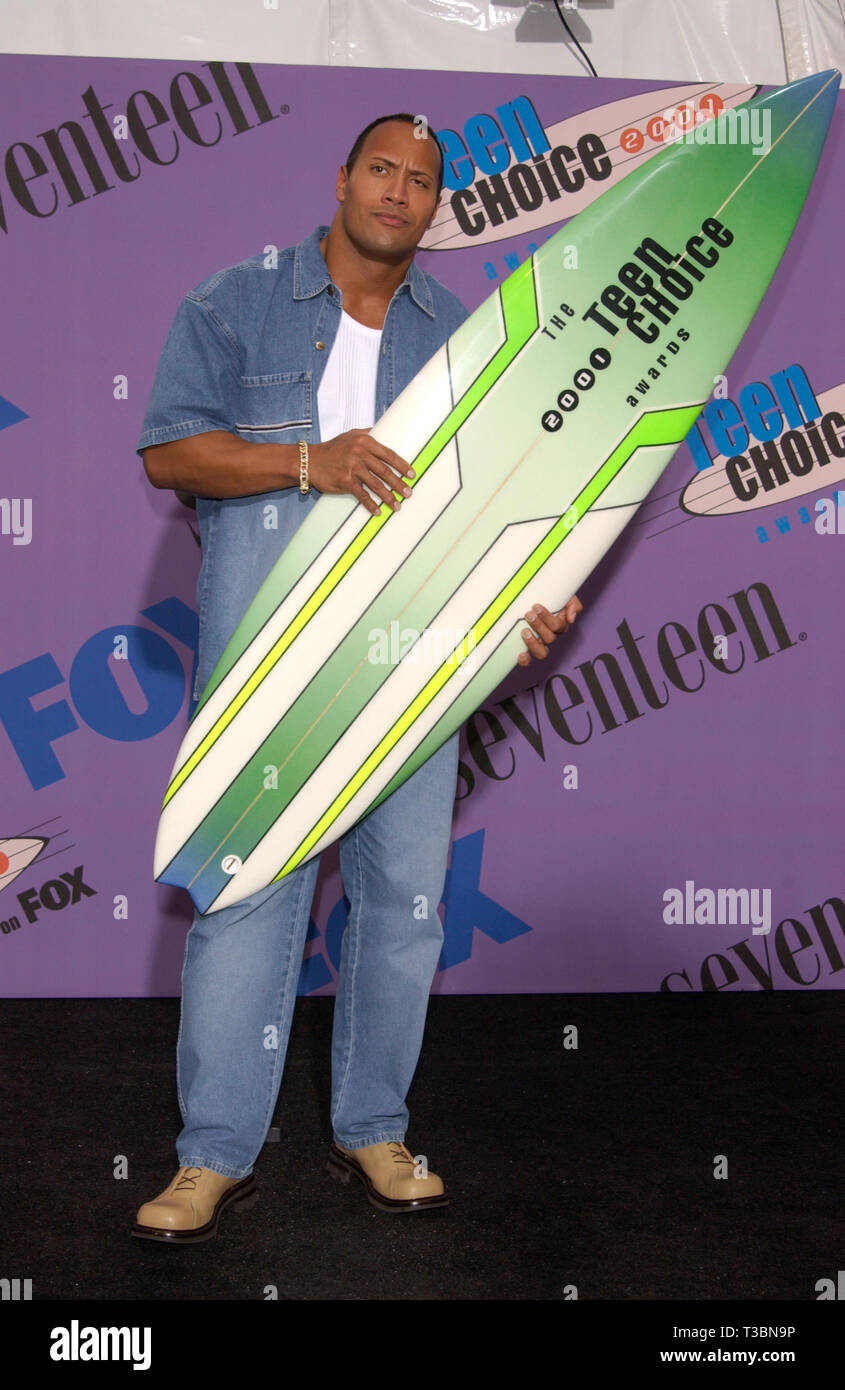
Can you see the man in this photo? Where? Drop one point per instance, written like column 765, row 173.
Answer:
column 271, row 377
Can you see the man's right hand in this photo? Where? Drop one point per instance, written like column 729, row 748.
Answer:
column 354, row 462
column 217, row 463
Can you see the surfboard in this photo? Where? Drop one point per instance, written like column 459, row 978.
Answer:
column 535, row 433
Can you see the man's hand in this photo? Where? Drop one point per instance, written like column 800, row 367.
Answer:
column 547, row 625
column 353, row 462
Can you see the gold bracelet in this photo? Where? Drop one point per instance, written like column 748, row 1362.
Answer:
column 304, row 485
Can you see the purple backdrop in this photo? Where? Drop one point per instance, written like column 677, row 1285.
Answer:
column 553, row 886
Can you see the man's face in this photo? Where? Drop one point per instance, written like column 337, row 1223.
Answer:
column 390, row 196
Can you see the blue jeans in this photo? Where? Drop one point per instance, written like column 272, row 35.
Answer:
column 241, row 972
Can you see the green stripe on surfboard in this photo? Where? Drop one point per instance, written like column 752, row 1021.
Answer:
column 519, row 311
column 669, row 426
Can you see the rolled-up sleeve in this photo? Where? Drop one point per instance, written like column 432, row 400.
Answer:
column 197, row 380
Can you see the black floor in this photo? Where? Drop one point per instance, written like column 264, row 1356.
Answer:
column 581, row 1172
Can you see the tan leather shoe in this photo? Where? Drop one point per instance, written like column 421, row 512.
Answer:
column 387, row 1172
column 189, row 1209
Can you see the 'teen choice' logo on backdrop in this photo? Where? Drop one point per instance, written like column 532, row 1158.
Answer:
column 16, row 854
column 777, row 441
column 24, row 849
column 509, row 174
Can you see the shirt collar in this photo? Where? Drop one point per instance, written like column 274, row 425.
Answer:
column 311, row 274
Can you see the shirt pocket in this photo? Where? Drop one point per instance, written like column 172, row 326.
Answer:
column 275, row 408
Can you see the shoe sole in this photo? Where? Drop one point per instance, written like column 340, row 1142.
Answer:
column 241, row 1197
column 341, row 1167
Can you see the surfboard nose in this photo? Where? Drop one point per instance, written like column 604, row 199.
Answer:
column 820, row 79
column 801, row 114
column 823, row 86
column 820, row 88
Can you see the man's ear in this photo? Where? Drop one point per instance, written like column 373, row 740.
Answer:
column 436, row 209
column 340, row 184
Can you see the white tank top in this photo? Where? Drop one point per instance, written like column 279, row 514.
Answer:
column 346, row 399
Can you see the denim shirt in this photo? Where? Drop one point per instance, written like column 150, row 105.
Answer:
column 245, row 353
